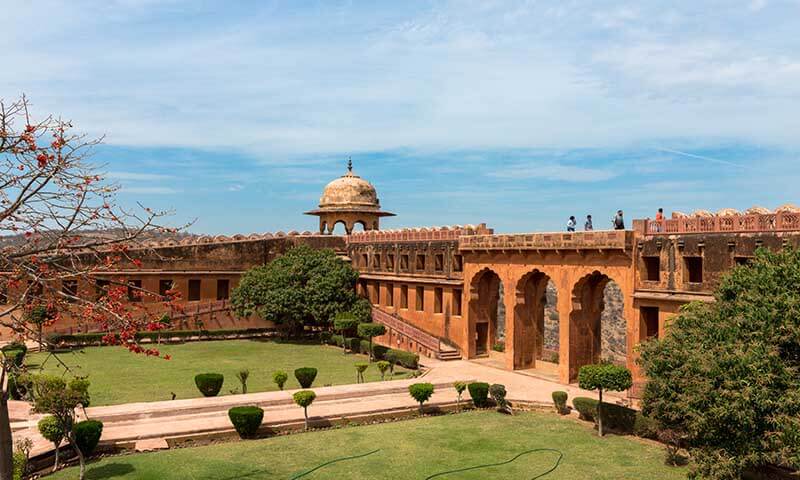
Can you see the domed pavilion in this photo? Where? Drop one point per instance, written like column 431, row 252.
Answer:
column 349, row 200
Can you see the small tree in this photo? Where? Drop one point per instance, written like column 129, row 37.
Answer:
column 460, row 387
column 51, row 430
column 421, row 392
column 604, row 377
column 52, row 395
column 360, row 369
column 304, row 398
column 243, row 375
column 383, row 367
column 371, row 330
column 305, row 376
column 280, row 378
column 344, row 323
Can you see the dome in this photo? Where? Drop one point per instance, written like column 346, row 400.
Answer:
column 350, row 191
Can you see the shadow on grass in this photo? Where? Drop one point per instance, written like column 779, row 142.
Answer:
column 109, row 470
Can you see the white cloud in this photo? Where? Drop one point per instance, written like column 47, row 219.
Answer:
column 282, row 80
column 553, row 172
column 137, row 176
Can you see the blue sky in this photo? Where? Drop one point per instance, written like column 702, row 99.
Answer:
column 514, row 113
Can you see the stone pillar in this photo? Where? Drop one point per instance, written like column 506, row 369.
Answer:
column 510, row 301
column 564, row 311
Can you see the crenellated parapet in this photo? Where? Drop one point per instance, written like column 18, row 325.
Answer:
column 421, row 234
column 754, row 220
column 595, row 240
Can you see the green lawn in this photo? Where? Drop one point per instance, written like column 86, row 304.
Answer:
column 118, row 376
column 410, row 450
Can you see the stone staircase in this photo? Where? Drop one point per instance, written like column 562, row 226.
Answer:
column 441, row 349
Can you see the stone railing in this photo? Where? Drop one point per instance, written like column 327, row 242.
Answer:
column 418, row 234
column 399, row 326
column 768, row 222
column 597, row 240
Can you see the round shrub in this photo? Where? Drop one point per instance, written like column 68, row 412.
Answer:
column 421, row 392
column 498, row 393
column 305, row 376
column 280, row 378
column 209, row 384
column 479, row 392
column 619, row 418
column 246, row 420
column 383, row 367
column 560, row 401
column 586, row 407
column 304, row 398
column 51, row 430
column 645, row 427
column 87, row 435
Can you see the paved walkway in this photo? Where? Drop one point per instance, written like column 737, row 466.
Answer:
column 165, row 419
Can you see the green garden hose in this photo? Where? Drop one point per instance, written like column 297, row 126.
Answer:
column 332, row 462
column 488, row 465
column 440, row 474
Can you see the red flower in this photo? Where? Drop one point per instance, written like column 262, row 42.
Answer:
column 167, row 357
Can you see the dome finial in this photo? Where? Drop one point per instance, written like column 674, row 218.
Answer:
column 350, row 164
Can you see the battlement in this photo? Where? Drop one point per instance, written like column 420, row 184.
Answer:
column 419, row 234
column 780, row 221
column 595, row 240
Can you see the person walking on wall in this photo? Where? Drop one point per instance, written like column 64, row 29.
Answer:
column 619, row 221
column 659, row 219
column 571, row 224
column 587, row 225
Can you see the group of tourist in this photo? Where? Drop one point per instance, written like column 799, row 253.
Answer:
column 618, row 222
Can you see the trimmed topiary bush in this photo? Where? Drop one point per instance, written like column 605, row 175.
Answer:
column 360, row 369
column 370, row 331
column 400, row 357
column 460, row 387
column 421, row 392
column 51, row 430
column 280, row 378
column 304, row 398
column 645, row 427
column 602, row 377
column 87, row 435
column 345, row 323
column 479, row 392
column 305, row 376
column 246, row 420
column 498, row 393
column 560, row 401
column 209, row 384
column 383, row 367
column 586, row 407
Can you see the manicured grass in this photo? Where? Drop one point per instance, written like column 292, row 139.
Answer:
column 410, row 450
column 118, row 376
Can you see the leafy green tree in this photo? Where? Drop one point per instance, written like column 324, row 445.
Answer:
column 601, row 377
column 304, row 287
column 370, row 331
column 725, row 376
column 460, row 386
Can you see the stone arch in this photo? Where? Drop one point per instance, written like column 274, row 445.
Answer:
column 533, row 324
column 323, row 227
column 597, row 330
column 360, row 223
column 336, row 224
column 487, row 311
